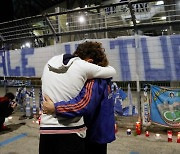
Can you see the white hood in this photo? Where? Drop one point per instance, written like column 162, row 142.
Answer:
column 56, row 64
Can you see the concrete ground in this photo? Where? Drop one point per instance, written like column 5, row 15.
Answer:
column 23, row 138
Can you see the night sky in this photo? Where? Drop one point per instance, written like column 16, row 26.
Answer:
column 6, row 10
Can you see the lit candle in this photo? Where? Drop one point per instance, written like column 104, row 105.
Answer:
column 128, row 131
column 147, row 133
column 157, row 136
column 138, row 128
column 178, row 137
column 169, row 134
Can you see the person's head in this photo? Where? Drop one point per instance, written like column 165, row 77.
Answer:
column 92, row 52
column 171, row 94
column 10, row 96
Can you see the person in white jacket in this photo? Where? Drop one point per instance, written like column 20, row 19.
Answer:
column 63, row 78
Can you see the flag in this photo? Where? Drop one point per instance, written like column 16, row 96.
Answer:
column 165, row 106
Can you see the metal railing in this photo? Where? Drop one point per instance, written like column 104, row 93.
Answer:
column 107, row 21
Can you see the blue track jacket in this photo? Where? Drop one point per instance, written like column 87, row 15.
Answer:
column 95, row 103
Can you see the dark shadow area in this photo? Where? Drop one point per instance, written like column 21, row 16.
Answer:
column 12, row 127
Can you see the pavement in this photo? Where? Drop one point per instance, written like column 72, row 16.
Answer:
column 23, row 138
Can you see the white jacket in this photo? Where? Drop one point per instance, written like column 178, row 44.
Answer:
column 64, row 82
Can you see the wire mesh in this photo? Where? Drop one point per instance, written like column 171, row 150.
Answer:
column 96, row 22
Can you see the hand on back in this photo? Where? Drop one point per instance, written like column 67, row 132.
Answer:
column 48, row 105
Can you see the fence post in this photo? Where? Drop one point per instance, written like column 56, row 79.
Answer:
column 5, row 73
column 137, row 76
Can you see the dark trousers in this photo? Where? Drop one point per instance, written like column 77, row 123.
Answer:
column 2, row 120
column 61, row 144
column 95, row 148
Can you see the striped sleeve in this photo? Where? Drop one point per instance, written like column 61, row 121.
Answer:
column 78, row 105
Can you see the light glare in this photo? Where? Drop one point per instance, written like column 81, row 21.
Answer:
column 159, row 2
column 28, row 45
column 81, row 19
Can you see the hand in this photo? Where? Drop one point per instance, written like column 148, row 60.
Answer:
column 48, row 105
column 13, row 104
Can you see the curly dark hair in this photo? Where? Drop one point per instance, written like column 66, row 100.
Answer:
column 92, row 50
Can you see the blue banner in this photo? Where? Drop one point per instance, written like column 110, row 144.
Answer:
column 165, row 106
column 141, row 57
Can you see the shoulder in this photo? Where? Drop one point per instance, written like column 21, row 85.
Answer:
column 81, row 63
column 3, row 99
column 86, row 64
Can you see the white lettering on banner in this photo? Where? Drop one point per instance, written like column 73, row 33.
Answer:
column 143, row 11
